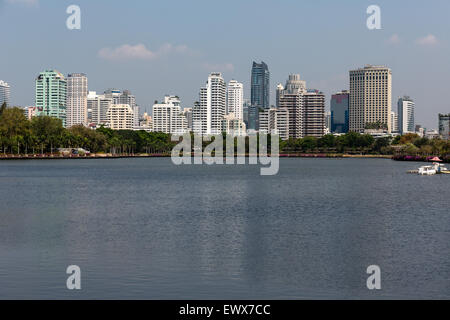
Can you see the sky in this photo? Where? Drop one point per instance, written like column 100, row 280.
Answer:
column 154, row 48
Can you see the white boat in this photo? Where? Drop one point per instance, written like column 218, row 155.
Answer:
column 427, row 170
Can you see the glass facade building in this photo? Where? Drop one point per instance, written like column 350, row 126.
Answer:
column 444, row 126
column 51, row 95
column 260, row 85
column 340, row 103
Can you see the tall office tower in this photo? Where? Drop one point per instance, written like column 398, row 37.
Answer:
column 77, row 91
column 120, row 117
column 406, row 122
column 292, row 98
column 5, row 93
column 127, row 98
column 168, row 117
column 98, row 106
column 51, row 95
column 275, row 121
column 370, row 97
column 394, row 122
column 209, row 113
column 260, row 85
column 279, row 92
column 235, row 99
column 444, row 126
column 253, row 117
column 314, row 116
column 340, row 103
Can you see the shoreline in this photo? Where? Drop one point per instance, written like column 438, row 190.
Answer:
column 110, row 156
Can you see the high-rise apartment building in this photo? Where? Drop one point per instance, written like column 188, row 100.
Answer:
column 120, row 117
column 5, row 93
column 187, row 112
column 275, row 121
column 292, row 98
column 444, row 126
column 127, row 98
column 260, row 85
column 406, row 121
column 98, row 106
column 209, row 113
column 314, row 114
column 235, row 99
column 77, row 92
column 168, row 116
column 51, row 95
column 339, row 106
column 370, row 97
column 234, row 126
column 394, row 122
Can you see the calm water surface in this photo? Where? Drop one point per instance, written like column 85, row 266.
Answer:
column 145, row 229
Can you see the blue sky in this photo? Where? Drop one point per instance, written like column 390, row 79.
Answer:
column 155, row 48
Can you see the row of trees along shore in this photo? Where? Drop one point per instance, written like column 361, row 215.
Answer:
column 43, row 135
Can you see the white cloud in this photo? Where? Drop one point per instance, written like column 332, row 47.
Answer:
column 139, row 52
column 394, row 39
column 30, row 3
column 212, row 67
column 429, row 40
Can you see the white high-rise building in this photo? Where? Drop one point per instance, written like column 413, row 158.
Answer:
column 98, row 106
column 209, row 112
column 5, row 93
column 168, row 116
column 77, row 92
column 234, row 126
column 120, row 117
column 291, row 97
column 394, row 122
column 370, row 97
column 406, row 122
column 127, row 98
column 235, row 99
column 275, row 121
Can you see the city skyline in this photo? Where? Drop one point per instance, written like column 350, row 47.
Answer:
column 176, row 59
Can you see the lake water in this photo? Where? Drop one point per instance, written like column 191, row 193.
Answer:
column 146, row 229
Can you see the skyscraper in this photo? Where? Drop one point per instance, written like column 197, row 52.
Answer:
column 98, row 106
column 314, row 114
column 120, row 117
column 275, row 121
column 51, row 94
column 5, row 93
column 394, row 122
column 370, row 97
column 77, row 92
column 168, row 116
column 209, row 113
column 127, row 98
column 260, row 85
column 339, row 112
column 292, row 99
column 444, row 126
column 235, row 99
column 406, row 122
